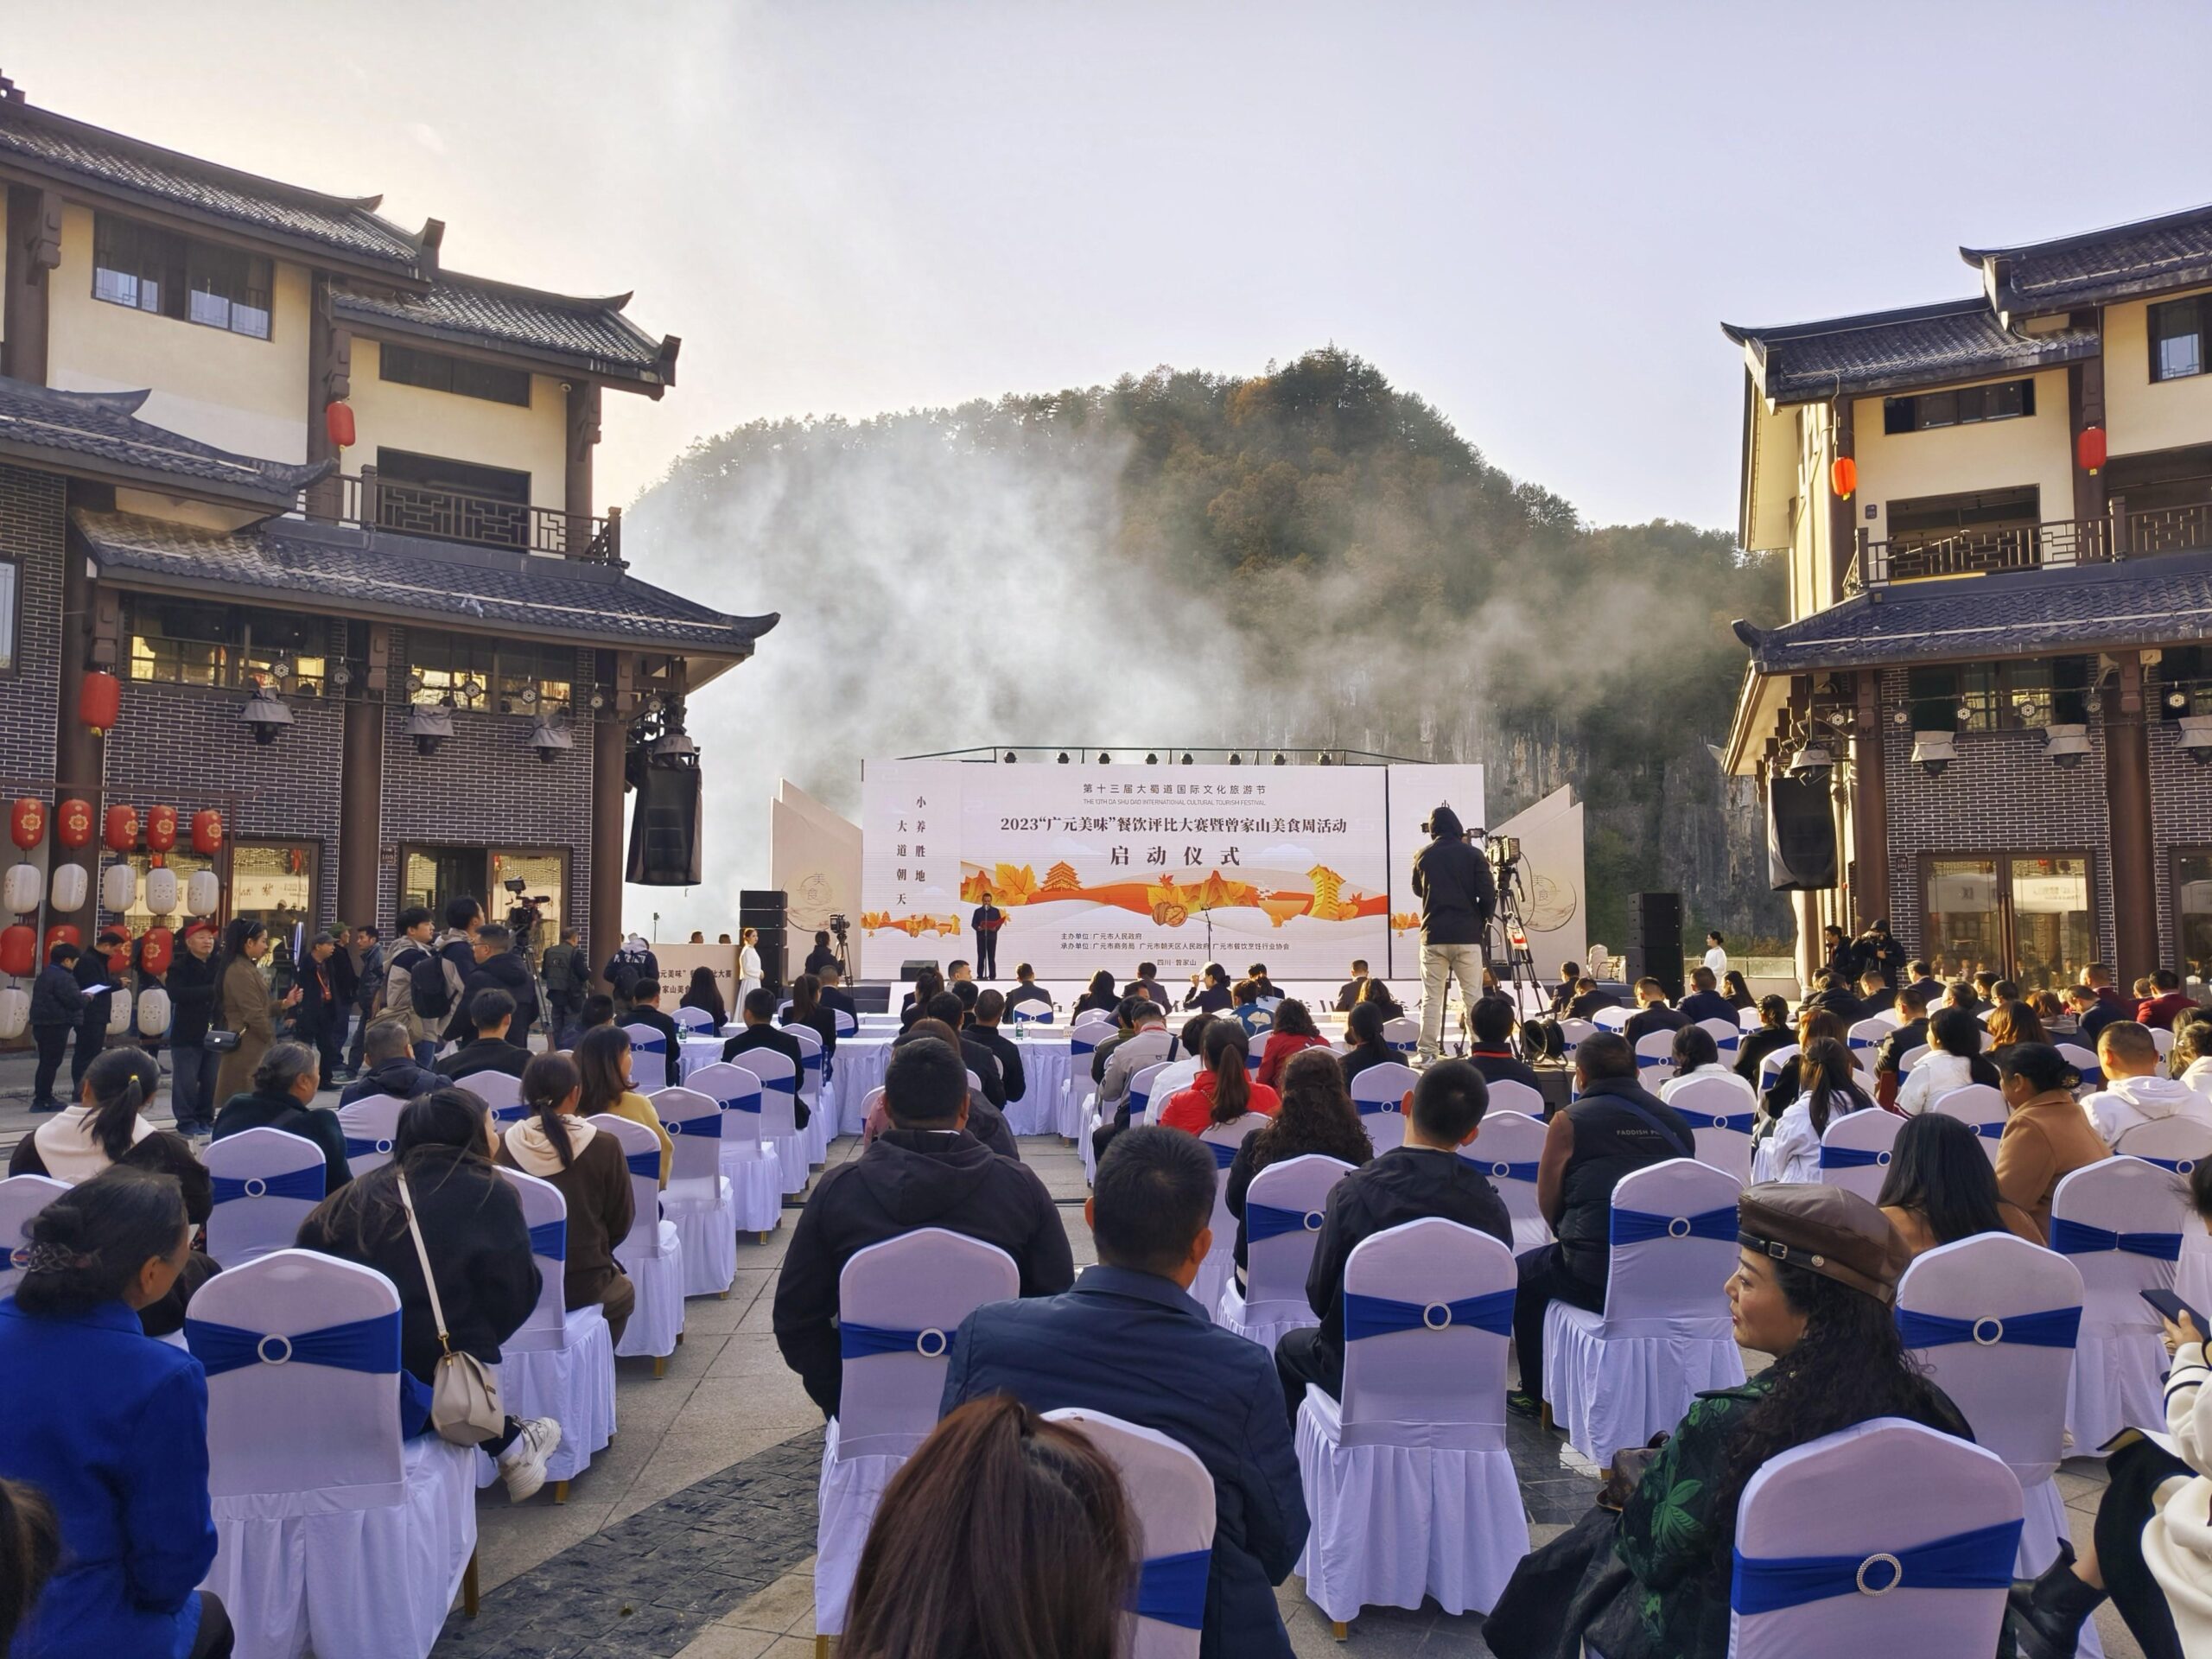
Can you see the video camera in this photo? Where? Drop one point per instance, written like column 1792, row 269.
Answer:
column 524, row 915
column 838, row 925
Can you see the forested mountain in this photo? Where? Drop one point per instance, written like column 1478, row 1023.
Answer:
column 1309, row 556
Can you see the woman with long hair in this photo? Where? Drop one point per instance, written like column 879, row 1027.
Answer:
column 2014, row 1022
column 1293, row 1030
column 1814, row 1024
column 1954, row 1059
column 1364, row 1040
column 2047, row 1134
column 1827, row 1090
column 1099, row 997
column 602, row 1059
column 1697, row 1055
column 1773, row 1033
column 1315, row 1115
column 705, row 995
column 1223, row 1090
column 1738, row 990
column 1376, row 993
column 2191, row 1060
column 558, row 1147
column 479, row 1246
column 996, row 1482
column 244, row 1005
column 806, row 1009
column 927, row 984
column 1940, row 1189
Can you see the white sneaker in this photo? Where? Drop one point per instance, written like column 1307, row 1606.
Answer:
column 522, row 1466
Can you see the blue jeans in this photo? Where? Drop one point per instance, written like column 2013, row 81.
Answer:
column 426, row 1052
column 192, row 1087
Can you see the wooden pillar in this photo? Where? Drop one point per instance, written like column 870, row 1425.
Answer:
column 609, row 744
column 80, row 756
column 2127, row 793
column 582, row 441
column 1869, row 806
column 360, row 812
column 1843, row 511
column 2085, row 407
column 330, row 379
column 34, row 248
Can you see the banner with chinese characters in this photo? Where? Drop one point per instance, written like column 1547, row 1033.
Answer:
column 1102, row 867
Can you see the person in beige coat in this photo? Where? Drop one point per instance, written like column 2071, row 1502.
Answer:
column 243, row 1005
column 2048, row 1137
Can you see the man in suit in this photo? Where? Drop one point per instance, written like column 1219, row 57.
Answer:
column 1348, row 993
column 1128, row 1340
column 761, row 1032
column 834, row 996
column 644, row 1010
column 1705, row 1001
column 1921, row 973
column 983, row 1026
column 1654, row 1014
column 1028, row 990
column 926, row 1170
column 1425, row 1177
column 493, row 1012
column 1888, row 1056
column 985, row 924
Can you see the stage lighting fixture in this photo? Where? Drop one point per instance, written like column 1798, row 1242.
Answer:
column 1325, row 757
column 1105, row 759
column 1236, row 759
column 1280, row 760
column 1064, row 757
column 1009, row 757
column 1152, row 759
column 1186, row 759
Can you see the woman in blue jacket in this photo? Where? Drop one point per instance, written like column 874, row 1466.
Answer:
column 111, row 1426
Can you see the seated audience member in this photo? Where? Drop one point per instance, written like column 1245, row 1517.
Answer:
column 2191, row 1061
column 644, row 1010
column 1696, row 1056
column 1921, row 972
column 1316, row 1116
column 1954, row 1059
column 1705, row 1001
column 808, row 1009
column 284, row 1087
column 2102, row 1007
column 2058, row 1020
column 1813, row 1287
column 926, row 1170
column 967, row 990
column 2166, row 1002
column 1146, row 1043
column 1146, row 984
column 705, row 995
column 1223, row 1090
column 1100, row 996
column 1210, row 992
column 759, row 1013
column 1826, row 1091
column 2014, row 1021
column 1738, row 990
column 1939, row 1187
column 958, row 971
column 114, row 1433
column 1377, row 993
column 2136, row 1091
column 1813, row 1024
column 1563, row 993
column 985, row 1122
column 995, row 1481
column 1832, row 993
column 834, row 996
column 1986, row 991
column 1293, row 1030
column 1027, row 989
column 1490, row 1023
column 1423, row 1177
column 1774, row 1032
column 492, row 1013
column 598, row 1010
column 560, row 1148
column 1612, row 1129
column 1589, row 999
column 479, row 1246
column 1348, row 993
column 390, row 1056
column 1365, row 1041
column 2047, row 1134
column 30, row 1549
column 1128, row 1340
column 1245, row 1007
column 1877, row 996
column 927, row 984
column 1127, row 1013
column 1889, row 1052
column 603, row 1059
column 983, row 1026
column 947, row 1009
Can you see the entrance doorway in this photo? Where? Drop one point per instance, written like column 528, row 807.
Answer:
column 432, row 875
column 2027, row 916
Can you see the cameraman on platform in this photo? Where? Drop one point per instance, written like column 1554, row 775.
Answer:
column 1458, row 898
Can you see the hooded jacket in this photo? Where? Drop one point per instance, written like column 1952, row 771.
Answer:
column 56, row 997
column 2199, row 1076
column 907, row 1179
column 596, row 1184
column 1454, row 884
column 505, row 972
column 400, row 1077
column 2125, row 1103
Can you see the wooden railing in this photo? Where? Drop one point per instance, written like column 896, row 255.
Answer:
column 378, row 503
column 2056, row 544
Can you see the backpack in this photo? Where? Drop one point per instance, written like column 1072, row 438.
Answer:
column 427, row 987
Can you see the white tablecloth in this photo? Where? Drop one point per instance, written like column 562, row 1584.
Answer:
column 698, row 1051
column 861, row 1060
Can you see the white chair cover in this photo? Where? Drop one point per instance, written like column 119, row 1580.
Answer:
column 1980, row 1107
column 369, row 1125
column 2176, row 1143
column 1171, row 1495
column 645, row 1040
column 501, row 1093
column 1869, row 1033
column 1720, row 1116
column 331, row 1532
column 1911, row 1058
column 752, row 1167
column 1727, row 1036
column 1617, row 1378
column 689, row 1019
column 1610, row 1019
column 1507, row 1096
column 899, row 1304
column 1855, row 1151
column 652, row 1253
column 560, row 1364
column 1378, row 1094
column 2163, row 1041
column 1572, row 1031
column 1402, row 1034
column 1771, row 1066
column 2121, row 1223
column 1749, row 1020
column 1222, row 1139
column 1146, row 1101
column 846, row 1024
column 818, row 1132
column 779, row 1116
column 2084, row 1061
column 1508, row 1150
column 22, row 1197
column 1408, row 1482
column 700, row 1198
column 1872, row 1496
column 265, row 1182
column 1655, row 1058
column 1282, row 1221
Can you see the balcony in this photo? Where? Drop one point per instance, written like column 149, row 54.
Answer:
column 2056, row 544
column 441, row 515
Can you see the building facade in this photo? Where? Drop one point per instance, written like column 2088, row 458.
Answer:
column 1997, row 517
column 325, row 508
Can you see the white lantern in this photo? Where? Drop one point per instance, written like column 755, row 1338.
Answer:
column 118, row 887
column 203, row 893
column 70, row 887
column 153, row 1011
column 161, row 891
column 25, row 885
column 119, row 1013
column 15, row 1014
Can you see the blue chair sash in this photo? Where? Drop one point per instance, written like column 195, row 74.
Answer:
column 1855, row 1158
column 1171, row 1589
column 367, row 1148
column 811, row 1062
column 2057, row 1328
column 1507, row 1172
column 741, row 1104
column 1634, row 1227
column 1370, row 1107
column 513, row 1113
column 653, row 1045
column 369, row 1345
column 2179, row 1166
column 644, row 1163
column 1224, row 1153
column 1266, row 1221
column 865, row 1341
column 1644, row 1062
column 1738, row 1122
column 292, row 1184
column 1980, row 1560
column 550, row 1238
column 1139, row 1102
column 2078, row 1238
column 707, row 1125
column 1381, row 1316
column 782, row 1085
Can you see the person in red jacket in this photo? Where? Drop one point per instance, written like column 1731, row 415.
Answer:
column 1294, row 1031
column 1223, row 1090
column 2159, row 1012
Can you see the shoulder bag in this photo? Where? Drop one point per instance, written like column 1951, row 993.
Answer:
column 465, row 1406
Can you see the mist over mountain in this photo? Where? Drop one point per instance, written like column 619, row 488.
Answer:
column 1305, row 558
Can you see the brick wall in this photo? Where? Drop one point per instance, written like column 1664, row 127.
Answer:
column 2181, row 815
column 33, row 533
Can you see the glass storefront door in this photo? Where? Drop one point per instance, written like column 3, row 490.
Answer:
column 2026, row 915
column 2053, row 935
column 1965, row 931
column 2193, row 917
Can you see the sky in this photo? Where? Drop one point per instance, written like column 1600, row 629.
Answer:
column 1533, row 216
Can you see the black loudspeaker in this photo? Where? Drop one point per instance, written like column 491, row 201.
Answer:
column 764, row 910
column 1655, row 947
column 914, row 967
column 665, row 828
column 1801, row 850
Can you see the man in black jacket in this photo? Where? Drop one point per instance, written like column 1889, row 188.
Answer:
column 644, row 1010
column 1652, row 1014
column 1491, row 1053
column 1889, row 1075
column 925, row 1171
column 390, row 1068
column 1028, row 990
column 761, row 1032
column 1425, row 1177
column 983, row 1026
column 1348, row 993
column 498, row 968
column 1458, row 894
column 57, row 1006
column 493, row 1012
column 833, row 994
column 94, row 968
column 318, row 1017
column 1705, row 1001
column 193, row 1064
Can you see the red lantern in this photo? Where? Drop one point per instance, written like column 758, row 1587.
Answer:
column 2089, row 448
column 18, row 951
column 338, row 421
column 156, row 950
column 1844, row 476
column 161, row 830
column 74, row 822
column 207, row 830
column 61, row 934
column 100, row 701
column 121, row 829
column 26, row 823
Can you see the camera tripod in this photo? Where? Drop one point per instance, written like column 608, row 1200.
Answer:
column 1512, row 926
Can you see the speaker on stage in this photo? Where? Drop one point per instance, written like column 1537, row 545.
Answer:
column 765, row 909
column 665, row 828
column 1801, row 847
column 1654, row 931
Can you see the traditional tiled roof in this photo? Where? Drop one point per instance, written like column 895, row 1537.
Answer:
column 2162, row 600
column 99, row 432
column 382, row 574
column 2125, row 260
column 42, row 142
column 1888, row 351
column 588, row 334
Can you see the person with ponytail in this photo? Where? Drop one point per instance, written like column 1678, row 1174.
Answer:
column 556, row 1144
column 110, row 1426
column 1223, row 1090
column 1792, row 1152
column 1364, row 1040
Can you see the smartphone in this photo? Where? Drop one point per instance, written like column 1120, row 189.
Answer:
column 2172, row 1308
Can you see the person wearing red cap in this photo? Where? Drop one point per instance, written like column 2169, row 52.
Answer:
column 192, row 1005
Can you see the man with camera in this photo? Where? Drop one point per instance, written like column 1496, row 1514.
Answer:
column 1458, row 897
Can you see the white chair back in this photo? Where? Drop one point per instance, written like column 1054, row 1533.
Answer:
column 846, row 1024
column 696, row 1124
column 1610, row 1019
column 2176, row 1143
column 1855, row 1151
column 1674, row 1246
column 1721, row 1116
column 1654, row 1057
column 898, row 1303
column 501, row 1093
column 1090, row 1019
column 737, row 1091
column 265, row 1183
column 1030, row 1014
column 810, row 1071
column 2163, row 1041
column 369, row 1126
column 1222, row 1139
column 1282, row 1222
column 1980, row 1107
column 545, row 1212
column 1869, row 1033
column 1171, row 1497
column 1508, row 1150
column 778, row 1077
column 1771, row 1066
column 1911, row 1058
column 975, row 1095
column 1727, row 1036
column 1507, row 1096
column 1572, row 1031
column 645, row 1040
column 1378, row 1094
column 1428, row 1308
column 641, row 1152
column 1175, row 1078
column 690, row 1019
column 22, row 1197
column 1749, row 1020
column 2084, row 1061
column 302, row 1353
column 2122, row 1223
column 1146, row 1101
column 1402, row 1034
column 1864, row 1503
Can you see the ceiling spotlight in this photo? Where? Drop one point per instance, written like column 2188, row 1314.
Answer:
column 2197, row 738
column 1933, row 751
column 2066, row 745
column 1236, row 759
column 1009, row 757
column 1325, row 758
column 1105, row 759
column 1064, row 757
column 1187, row 758
column 1280, row 759
column 1152, row 759
column 264, row 715
column 429, row 724
column 1812, row 763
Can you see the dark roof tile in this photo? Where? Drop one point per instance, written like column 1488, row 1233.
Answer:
column 2171, row 252
column 1888, row 351
column 591, row 332
column 102, row 428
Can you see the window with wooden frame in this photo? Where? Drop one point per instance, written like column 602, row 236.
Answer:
column 144, row 268
column 2177, row 330
column 1929, row 411
column 411, row 365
